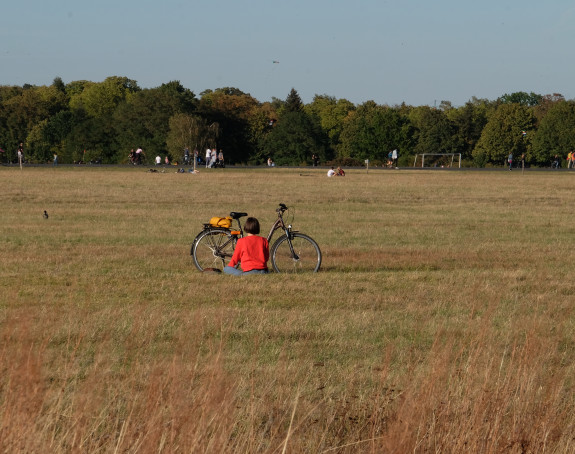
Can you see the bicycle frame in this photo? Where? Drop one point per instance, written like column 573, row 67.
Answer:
column 213, row 246
column 278, row 224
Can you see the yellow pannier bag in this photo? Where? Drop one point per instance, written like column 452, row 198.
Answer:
column 226, row 222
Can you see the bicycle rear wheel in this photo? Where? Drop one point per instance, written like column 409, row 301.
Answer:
column 212, row 248
column 306, row 256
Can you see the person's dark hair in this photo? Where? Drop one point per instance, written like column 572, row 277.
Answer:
column 252, row 226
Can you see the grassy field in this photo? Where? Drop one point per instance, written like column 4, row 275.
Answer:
column 442, row 319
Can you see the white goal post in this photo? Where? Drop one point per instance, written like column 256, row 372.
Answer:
column 437, row 160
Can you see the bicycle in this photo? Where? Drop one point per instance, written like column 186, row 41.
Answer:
column 292, row 252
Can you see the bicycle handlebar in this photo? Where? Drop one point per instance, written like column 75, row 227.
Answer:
column 282, row 208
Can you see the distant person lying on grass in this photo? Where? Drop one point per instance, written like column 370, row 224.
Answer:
column 252, row 251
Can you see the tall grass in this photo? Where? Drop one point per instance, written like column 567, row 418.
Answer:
column 442, row 319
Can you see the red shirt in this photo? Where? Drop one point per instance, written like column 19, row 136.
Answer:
column 253, row 252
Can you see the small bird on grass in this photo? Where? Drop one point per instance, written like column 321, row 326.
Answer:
column 45, row 214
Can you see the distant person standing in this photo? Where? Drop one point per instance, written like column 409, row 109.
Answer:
column 21, row 152
column 394, row 157
column 186, row 156
column 139, row 153
column 158, row 160
column 510, row 160
column 221, row 159
column 214, row 158
column 55, row 161
column 208, row 157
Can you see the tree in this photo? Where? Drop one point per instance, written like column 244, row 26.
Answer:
column 293, row 140
column 59, row 84
column 469, row 121
column 293, row 102
column 232, row 110
column 295, row 137
column 143, row 120
column 231, row 91
column 9, row 91
column 191, row 131
column 261, row 122
column 49, row 136
column 25, row 111
column 522, row 98
column 547, row 101
column 434, row 132
column 555, row 133
column 101, row 99
column 331, row 114
column 91, row 138
column 36, row 140
column 9, row 137
column 76, row 87
column 503, row 134
column 184, row 99
column 371, row 131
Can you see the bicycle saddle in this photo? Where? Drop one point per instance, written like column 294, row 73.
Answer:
column 236, row 215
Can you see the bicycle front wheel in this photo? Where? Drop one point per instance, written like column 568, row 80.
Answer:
column 297, row 254
column 212, row 248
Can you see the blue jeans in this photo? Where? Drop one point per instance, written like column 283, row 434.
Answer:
column 236, row 272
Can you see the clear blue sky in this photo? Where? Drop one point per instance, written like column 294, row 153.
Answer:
column 391, row 51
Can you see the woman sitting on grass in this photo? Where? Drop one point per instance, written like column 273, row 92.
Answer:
column 252, row 251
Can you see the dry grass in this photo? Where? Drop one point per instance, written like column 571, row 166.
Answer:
column 442, row 320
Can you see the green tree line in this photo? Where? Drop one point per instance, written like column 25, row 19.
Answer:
column 102, row 121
